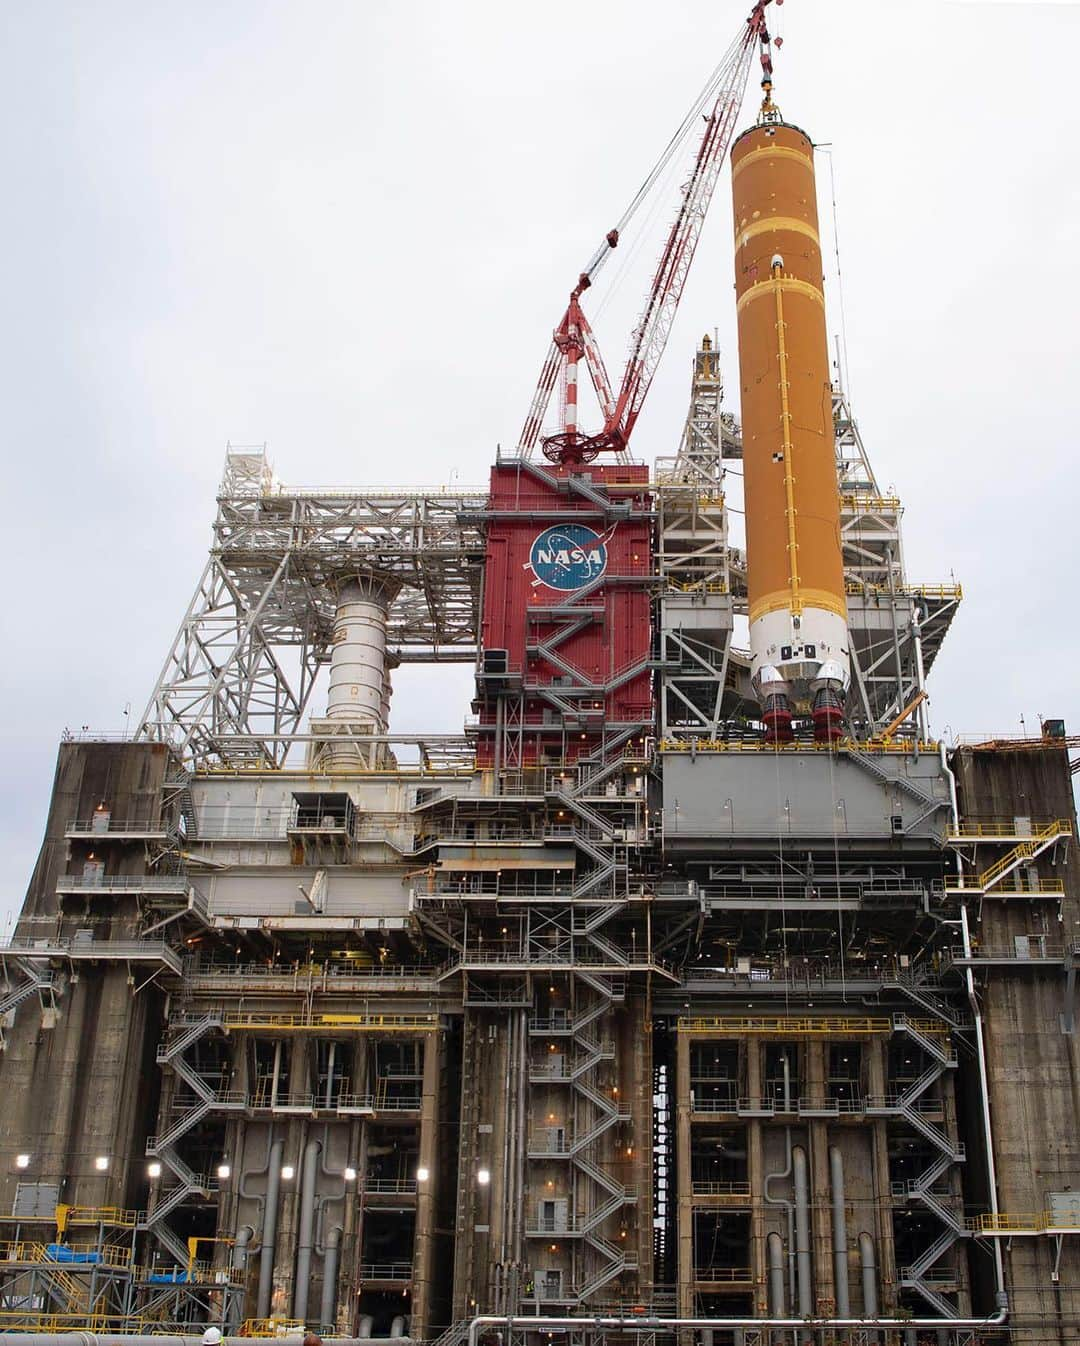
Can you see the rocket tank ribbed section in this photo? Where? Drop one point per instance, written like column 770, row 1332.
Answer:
column 798, row 612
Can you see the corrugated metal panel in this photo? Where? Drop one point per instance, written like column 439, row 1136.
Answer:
column 517, row 592
column 279, row 895
column 35, row 1201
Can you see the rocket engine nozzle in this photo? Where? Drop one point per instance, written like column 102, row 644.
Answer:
column 775, row 695
column 778, row 719
column 828, row 714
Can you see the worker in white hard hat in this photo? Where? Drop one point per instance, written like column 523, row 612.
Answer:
column 211, row 1337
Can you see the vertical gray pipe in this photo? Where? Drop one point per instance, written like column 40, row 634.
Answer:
column 244, row 1235
column 328, row 1310
column 868, row 1261
column 305, row 1239
column 785, row 1173
column 802, row 1230
column 269, row 1230
column 839, row 1233
column 775, row 1247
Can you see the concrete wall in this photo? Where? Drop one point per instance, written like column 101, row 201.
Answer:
column 1033, row 1066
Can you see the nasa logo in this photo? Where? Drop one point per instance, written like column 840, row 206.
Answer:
column 567, row 556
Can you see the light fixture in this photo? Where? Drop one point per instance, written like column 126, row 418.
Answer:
column 350, row 1174
column 153, row 1170
column 22, row 1161
column 288, row 1172
column 483, row 1177
column 101, row 1163
column 422, row 1174
column 223, row 1170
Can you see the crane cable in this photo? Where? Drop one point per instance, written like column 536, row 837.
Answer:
column 718, row 78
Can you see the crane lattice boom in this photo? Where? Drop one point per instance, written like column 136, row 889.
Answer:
column 573, row 338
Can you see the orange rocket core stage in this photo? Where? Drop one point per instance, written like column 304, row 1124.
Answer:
column 792, row 502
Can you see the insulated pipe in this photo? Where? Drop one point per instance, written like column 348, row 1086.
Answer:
column 244, row 1235
column 269, row 1230
column 363, row 1328
column 248, row 1173
column 785, row 1173
column 141, row 1339
column 641, row 1326
column 775, row 1247
column 243, row 1238
column 984, row 1095
column 839, row 1232
column 305, row 1238
column 868, row 1262
column 327, row 1311
column 358, row 660
column 802, row 1229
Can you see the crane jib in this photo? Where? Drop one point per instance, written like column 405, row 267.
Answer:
column 724, row 90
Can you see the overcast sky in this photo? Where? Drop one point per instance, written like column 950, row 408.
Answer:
column 346, row 229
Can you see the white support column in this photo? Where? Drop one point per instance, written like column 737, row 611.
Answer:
column 358, row 675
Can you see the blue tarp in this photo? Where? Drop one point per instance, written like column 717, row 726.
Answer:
column 177, row 1277
column 60, row 1252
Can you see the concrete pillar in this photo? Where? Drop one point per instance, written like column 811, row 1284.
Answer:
column 753, row 1072
column 755, row 1171
column 424, row 1249
column 756, row 1174
column 814, row 1057
column 886, row 1246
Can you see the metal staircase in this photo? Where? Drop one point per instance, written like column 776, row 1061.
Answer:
column 932, row 1043
column 941, row 1056
column 72, row 1294
column 1024, row 852
column 179, row 1122
column 893, row 780
column 598, row 1196
column 37, row 980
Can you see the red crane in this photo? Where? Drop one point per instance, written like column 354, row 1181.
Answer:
column 573, row 337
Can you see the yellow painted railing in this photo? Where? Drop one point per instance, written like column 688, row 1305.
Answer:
column 238, row 1021
column 697, row 586
column 788, row 1026
column 1025, row 850
column 1040, row 887
column 1032, row 1222
column 115, row 1217
column 760, row 746
column 869, row 504
column 1004, row 829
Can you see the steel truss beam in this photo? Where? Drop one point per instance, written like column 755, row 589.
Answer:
column 706, row 678
column 239, row 675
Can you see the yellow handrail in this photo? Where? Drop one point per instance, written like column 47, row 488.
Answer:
column 787, row 1026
